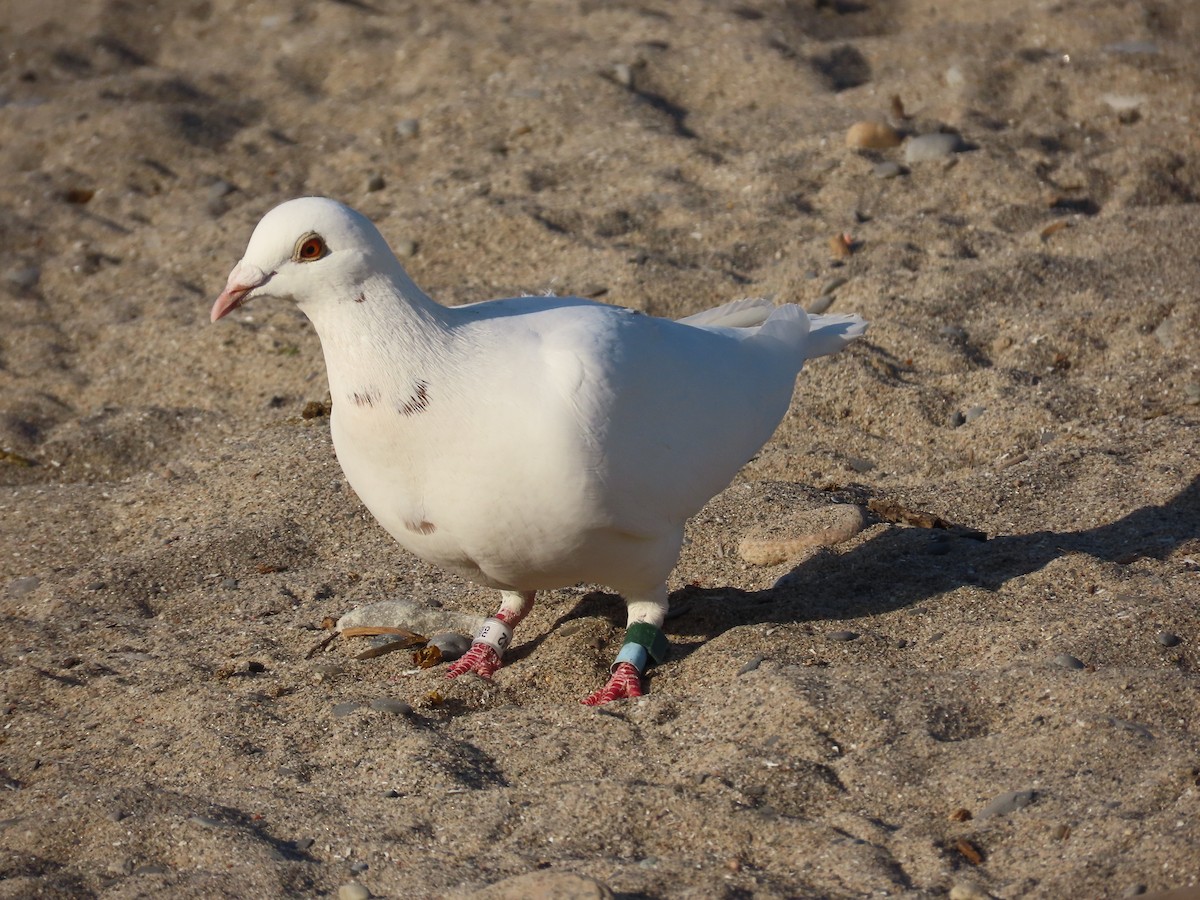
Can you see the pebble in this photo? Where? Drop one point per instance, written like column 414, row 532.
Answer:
column 357, row 868
column 821, row 304
column 1006, row 803
column 974, row 413
column 1168, row 332
column 955, row 419
column 375, row 182
column 1167, row 639
column 752, row 664
column 888, row 169
column 1191, row 393
column 391, row 705
column 1067, row 661
column 230, row 584
column 22, row 279
column 842, row 635
column 341, row 710
column 405, row 248
column 19, row 587
column 352, row 890
column 408, row 128
column 872, row 136
column 833, row 284
column 451, row 644
column 930, row 147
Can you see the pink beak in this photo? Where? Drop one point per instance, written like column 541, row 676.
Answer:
column 244, row 278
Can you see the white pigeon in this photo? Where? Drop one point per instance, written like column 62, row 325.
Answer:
column 535, row 442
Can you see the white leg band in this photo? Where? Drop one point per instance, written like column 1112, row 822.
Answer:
column 496, row 634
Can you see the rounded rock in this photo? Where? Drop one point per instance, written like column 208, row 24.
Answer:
column 341, row 710
column 19, row 587
column 1168, row 639
column 352, row 890
column 931, row 147
column 842, row 635
column 408, row 128
column 872, row 136
column 1067, row 661
column 451, row 644
column 888, row 169
column 391, row 705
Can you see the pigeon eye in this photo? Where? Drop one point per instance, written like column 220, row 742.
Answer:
column 310, row 248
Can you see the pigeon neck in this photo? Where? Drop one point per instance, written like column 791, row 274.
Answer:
column 388, row 330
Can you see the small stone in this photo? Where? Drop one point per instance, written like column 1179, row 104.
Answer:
column 405, row 248
column 341, row 710
column 451, row 645
column 1168, row 332
column 842, row 635
column 833, row 284
column 95, row 586
column 219, row 189
column 230, row 584
column 1167, row 639
column 352, row 890
column 408, row 128
column 20, row 587
column 391, row 705
column 391, row 794
column 1006, row 803
column 375, row 182
column 872, row 136
column 954, row 77
column 753, row 663
column 1067, row 661
column 302, row 844
column 1134, row 890
column 22, row 279
column 859, row 465
column 955, row 419
column 1191, row 393
column 622, row 74
column 357, row 868
column 931, row 147
column 974, row 413
column 821, row 304
column 888, row 169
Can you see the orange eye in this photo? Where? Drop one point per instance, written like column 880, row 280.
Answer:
column 310, row 248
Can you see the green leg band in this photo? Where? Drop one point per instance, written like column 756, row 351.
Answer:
column 649, row 636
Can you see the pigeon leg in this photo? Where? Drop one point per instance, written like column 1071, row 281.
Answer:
column 484, row 657
column 644, row 645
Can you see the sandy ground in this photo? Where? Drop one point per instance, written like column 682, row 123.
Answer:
column 173, row 532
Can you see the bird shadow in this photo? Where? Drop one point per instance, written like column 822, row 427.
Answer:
column 902, row 567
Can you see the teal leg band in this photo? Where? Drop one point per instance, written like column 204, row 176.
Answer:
column 650, row 637
column 633, row 653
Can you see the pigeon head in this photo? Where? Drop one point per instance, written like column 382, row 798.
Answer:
column 306, row 250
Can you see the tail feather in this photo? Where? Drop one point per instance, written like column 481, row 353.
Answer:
column 829, row 334
column 736, row 314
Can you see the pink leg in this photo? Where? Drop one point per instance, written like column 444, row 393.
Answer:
column 625, row 682
column 482, row 659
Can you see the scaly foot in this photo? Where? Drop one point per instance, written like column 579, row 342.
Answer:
column 480, row 659
column 626, row 682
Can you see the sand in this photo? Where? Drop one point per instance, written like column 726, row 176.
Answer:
column 834, row 724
